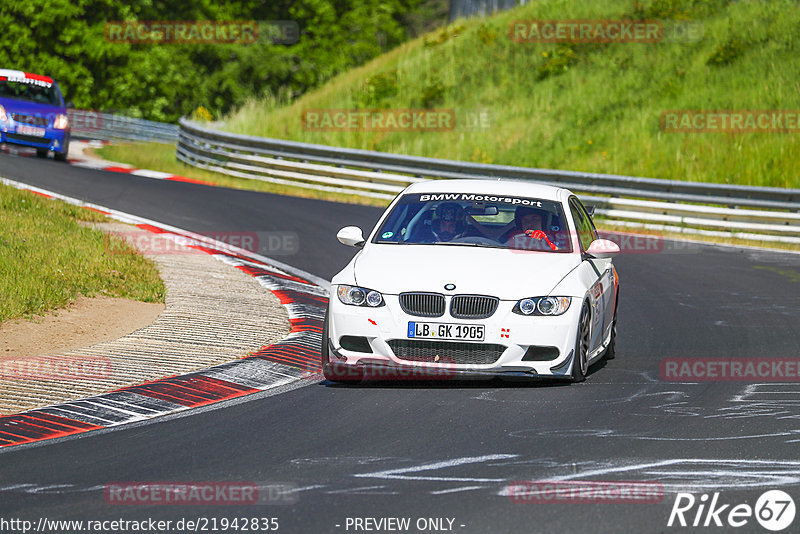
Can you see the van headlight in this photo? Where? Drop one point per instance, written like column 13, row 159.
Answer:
column 359, row 296
column 61, row 122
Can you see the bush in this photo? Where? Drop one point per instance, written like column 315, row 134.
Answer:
column 727, row 52
column 378, row 89
column 557, row 61
column 433, row 94
column 65, row 39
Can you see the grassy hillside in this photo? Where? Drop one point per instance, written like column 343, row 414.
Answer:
column 589, row 107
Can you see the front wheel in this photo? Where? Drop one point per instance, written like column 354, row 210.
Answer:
column 41, row 152
column 611, row 350
column 62, row 156
column 580, row 362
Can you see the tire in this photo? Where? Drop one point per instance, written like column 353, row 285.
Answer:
column 41, row 152
column 62, row 156
column 332, row 373
column 611, row 350
column 580, row 365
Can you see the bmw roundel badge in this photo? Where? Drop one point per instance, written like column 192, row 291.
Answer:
column 449, row 287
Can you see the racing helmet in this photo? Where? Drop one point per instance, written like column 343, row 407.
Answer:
column 523, row 211
column 450, row 221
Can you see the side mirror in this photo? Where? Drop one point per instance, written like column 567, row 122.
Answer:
column 603, row 249
column 70, row 105
column 351, row 236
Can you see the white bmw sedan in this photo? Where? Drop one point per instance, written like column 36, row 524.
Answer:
column 473, row 277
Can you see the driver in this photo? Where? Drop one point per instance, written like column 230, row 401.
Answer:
column 529, row 224
column 450, row 222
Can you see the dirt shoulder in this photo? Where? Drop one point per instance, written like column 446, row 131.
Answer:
column 214, row 313
column 86, row 321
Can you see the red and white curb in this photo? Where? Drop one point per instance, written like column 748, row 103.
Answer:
column 145, row 173
column 93, row 162
column 102, row 165
column 293, row 358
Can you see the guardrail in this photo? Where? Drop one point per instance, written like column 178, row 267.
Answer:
column 650, row 202
column 108, row 126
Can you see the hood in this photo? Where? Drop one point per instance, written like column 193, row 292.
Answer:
column 14, row 105
column 507, row 274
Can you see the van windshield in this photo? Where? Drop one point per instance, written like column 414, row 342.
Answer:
column 41, row 94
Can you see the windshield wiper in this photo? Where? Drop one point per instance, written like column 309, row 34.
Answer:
column 483, row 245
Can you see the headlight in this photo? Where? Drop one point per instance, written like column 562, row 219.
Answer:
column 542, row 306
column 527, row 306
column 3, row 116
column 61, row 122
column 359, row 296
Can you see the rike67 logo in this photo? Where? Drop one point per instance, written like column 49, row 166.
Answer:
column 774, row 510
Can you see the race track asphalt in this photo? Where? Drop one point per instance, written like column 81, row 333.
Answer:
column 452, row 449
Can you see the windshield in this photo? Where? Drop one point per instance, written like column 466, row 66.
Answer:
column 41, row 93
column 469, row 219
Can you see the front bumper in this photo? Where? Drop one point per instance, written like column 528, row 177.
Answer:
column 510, row 334
column 53, row 139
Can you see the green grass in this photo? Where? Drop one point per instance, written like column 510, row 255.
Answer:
column 49, row 256
column 584, row 107
column 161, row 157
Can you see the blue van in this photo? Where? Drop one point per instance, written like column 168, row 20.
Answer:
column 33, row 113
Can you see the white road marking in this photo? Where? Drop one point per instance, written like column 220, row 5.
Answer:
column 455, row 490
column 398, row 474
column 158, row 175
column 366, row 490
column 304, row 488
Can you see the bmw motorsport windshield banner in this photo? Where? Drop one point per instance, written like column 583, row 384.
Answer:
column 473, row 197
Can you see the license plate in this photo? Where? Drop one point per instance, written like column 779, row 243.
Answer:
column 462, row 332
column 30, row 130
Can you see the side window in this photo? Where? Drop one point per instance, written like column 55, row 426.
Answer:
column 586, row 231
column 588, row 218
